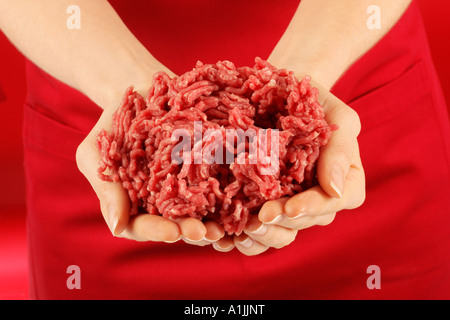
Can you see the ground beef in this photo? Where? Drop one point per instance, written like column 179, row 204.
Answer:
column 204, row 110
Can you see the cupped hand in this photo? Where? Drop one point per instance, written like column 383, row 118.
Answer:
column 341, row 186
column 115, row 203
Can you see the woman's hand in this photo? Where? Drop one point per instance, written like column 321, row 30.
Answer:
column 341, row 186
column 115, row 202
column 323, row 39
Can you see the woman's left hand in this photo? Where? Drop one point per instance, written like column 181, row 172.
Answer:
column 341, row 186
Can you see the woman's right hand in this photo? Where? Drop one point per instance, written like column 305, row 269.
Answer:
column 115, row 203
column 97, row 59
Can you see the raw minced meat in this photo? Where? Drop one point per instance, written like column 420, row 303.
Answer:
column 215, row 142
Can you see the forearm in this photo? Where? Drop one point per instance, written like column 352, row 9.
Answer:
column 325, row 37
column 100, row 59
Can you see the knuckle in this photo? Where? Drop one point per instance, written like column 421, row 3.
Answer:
column 102, row 190
column 285, row 241
column 269, row 206
column 80, row 156
column 360, row 199
column 270, row 209
column 354, row 120
column 327, row 219
column 358, row 196
column 248, row 251
column 302, row 224
column 342, row 156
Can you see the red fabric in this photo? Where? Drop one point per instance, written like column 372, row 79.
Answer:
column 2, row 94
column 402, row 227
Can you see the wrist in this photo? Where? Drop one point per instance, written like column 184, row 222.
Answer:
column 108, row 93
column 308, row 51
column 107, row 84
column 320, row 66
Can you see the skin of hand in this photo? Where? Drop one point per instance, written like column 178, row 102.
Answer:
column 115, row 202
column 100, row 60
column 341, row 186
column 323, row 39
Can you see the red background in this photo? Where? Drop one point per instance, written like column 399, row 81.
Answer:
column 13, row 257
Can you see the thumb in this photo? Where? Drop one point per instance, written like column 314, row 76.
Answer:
column 114, row 200
column 337, row 156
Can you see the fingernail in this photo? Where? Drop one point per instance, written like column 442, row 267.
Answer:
column 337, row 180
column 301, row 214
column 276, row 220
column 197, row 241
column 261, row 230
column 247, row 243
column 209, row 240
column 173, row 240
column 113, row 220
column 219, row 248
column 191, row 240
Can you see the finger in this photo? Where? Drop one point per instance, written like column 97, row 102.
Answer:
column 307, row 221
column 192, row 229
column 315, row 201
column 272, row 211
column 224, row 244
column 214, row 232
column 337, row 155
column 274, row 236
column 248, row 246
column 315, row 207
column 114, row 204
column 312, row 202
column 114, row 200
column 147, row 227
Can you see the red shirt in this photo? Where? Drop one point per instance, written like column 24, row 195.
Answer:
column 402, row 228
